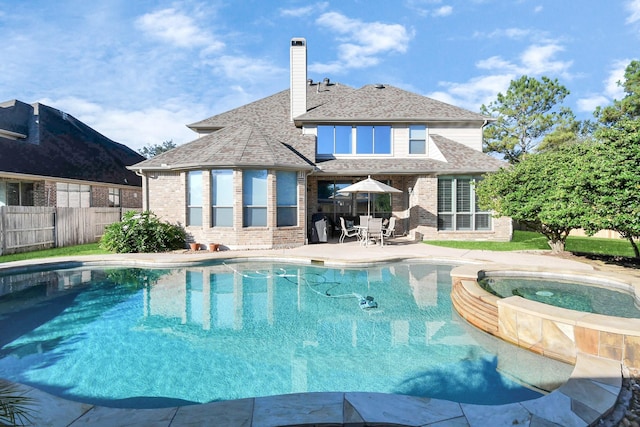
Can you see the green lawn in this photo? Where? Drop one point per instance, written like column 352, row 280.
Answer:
column 522, row 241
column 89, row 249
column 528, row 240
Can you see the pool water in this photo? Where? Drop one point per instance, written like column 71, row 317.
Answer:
column 565, row 294
column 144, row 338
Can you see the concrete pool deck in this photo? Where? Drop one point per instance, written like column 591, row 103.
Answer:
column 591, row 391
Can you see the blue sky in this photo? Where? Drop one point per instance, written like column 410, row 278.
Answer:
column 139, row 71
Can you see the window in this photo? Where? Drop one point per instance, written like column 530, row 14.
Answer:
column 334, row 139
column 457, row 206
column 222, row 198
column 373, row 139
column 16, row 194
column 287, row 198
column 340, row 140
column 194, row 198
column 73, row 195
column 254, row 196
column 114, row 197
column 417, row 139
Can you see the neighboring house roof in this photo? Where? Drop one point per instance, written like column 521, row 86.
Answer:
column 239, row 144
column 384, row 103
column 460, row 159
column 57, row 145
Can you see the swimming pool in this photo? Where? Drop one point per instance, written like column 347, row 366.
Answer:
column 142, row 338
column 586, row 297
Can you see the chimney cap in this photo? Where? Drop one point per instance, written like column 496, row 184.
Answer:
column 298, row 42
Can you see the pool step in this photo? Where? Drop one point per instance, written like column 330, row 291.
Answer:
column 479, row 312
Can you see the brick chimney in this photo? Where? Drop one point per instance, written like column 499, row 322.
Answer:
column 298, row 85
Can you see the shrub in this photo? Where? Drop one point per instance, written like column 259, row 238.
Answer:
column 142, row 232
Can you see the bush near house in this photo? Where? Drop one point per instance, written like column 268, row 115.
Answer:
column 142, row 232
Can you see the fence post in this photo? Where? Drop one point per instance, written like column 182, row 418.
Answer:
column 3, row 212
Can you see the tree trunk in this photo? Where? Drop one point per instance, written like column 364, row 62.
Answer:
column 635, row 247
column 557, row 246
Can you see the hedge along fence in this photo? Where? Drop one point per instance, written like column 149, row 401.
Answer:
column 28, row 228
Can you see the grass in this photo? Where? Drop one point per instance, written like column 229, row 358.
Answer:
column 522, row 241
column 88, row 249
column 530, row 241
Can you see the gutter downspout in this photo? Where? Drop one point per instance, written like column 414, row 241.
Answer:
column 145, row 189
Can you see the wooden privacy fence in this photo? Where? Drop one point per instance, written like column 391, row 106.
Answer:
column 27, row 228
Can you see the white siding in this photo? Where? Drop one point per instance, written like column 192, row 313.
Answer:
column 469, row 136
column 298, row 88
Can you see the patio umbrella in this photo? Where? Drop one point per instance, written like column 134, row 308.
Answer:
column 369, row 186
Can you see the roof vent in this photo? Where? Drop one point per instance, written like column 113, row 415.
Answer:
column 326, row 81
column 379, row 86
column 310, row 82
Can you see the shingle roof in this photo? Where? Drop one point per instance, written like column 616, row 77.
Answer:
column 261, row 133
column 238, row 144
column 387, row 104
column 60, row 146
column 460, row 159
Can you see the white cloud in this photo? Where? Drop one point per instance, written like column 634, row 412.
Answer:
column 475, row 92
column 362, row 43
column 177, row 28
column 247, row 69
column 633, row 6
column 510, row 33
column 443, row 11
column 539, row 60
column 135, row 128
column 304, row 11
column 538, row 9
column 589, row 104
column 611, row 89
column 535, row 61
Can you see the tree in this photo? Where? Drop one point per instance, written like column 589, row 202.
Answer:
column 613, row 190
column 539, row 192
column 524, row 115
column 150, row 150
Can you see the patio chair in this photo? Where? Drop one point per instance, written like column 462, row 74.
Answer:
column 346, row 231
column 374, row 230
column 390, row 230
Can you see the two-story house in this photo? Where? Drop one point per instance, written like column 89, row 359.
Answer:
column 48, row 158
column 257, row 173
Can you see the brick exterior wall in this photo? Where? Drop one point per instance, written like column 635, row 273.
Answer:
column 168, row 200
column 415, row 210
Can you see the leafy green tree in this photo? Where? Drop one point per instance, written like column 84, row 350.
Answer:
column 567, row 131
column 629, row 106
column 539, row 192
column 524, row 115
column 151, row 150
column 613, row 189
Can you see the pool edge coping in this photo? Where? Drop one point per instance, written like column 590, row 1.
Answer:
column 381, row 408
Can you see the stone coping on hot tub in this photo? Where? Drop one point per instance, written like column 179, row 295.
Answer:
column 553, row 331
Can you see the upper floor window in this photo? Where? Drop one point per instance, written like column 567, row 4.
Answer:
column 287, row 198
column 417, row 139
column 457, row 206
column 73, row 195
column 194, row 198
column 254, row 197
column 334, row 140
column 222, row 198
column 373, row 139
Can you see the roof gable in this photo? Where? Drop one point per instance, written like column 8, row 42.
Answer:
column 241, row 144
